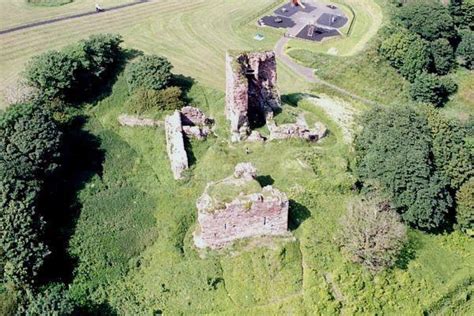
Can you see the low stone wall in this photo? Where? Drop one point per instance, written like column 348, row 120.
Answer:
column 175, row 145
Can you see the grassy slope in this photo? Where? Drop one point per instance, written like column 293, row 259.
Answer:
column 308, row 275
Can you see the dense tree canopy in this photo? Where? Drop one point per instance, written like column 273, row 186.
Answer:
column 68, row 73
column 462, row 12
column 29, row 152
column 431, row 20
column 406, row 52
column 394, row 148
column 149, row 72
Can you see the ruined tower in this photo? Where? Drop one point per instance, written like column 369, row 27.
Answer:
column 252, row 95
column 238, row 207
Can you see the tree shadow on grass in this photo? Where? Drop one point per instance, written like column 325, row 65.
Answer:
column 292, row 99
column 82, row 159
column 185, row 83
column 298, row 213
column 93, row 309
column 408, row 253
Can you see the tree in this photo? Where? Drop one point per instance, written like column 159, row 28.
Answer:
column 372, row 234
column 406, row 52
column 29, row 152
column 450, row 151
column 465, row 50
column 394, row 149
column 53, row 73
column 149, row 72
column 429, row 88
column 431, row 20
column 465, row 207
column 443, row 56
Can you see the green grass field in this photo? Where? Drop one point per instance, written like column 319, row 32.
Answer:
column 133, row 235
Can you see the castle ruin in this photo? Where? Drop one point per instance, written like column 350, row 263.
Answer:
column 238, row 207
column 252, row 95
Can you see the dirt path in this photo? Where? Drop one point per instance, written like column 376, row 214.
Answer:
column 308, row 73
column 69, row 17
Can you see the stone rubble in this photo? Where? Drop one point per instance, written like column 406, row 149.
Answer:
column 300, row 129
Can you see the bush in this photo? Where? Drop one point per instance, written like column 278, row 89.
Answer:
column 443, row 56
column 149, row 72
column 431, row 20
column 406, row 52
column 465, row 207
column 465, row 51
column 429, row 88
column 146, row 100
column 372, row 234
column 394, row 149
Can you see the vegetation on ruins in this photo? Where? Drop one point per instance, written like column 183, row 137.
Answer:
column 372, row 234
column 148, row 101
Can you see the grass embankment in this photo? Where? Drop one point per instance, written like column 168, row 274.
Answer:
column 134, row 231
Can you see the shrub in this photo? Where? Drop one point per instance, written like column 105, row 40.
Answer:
column 372, row 234
column 443, row 56
column 149, row 72
column 429, row 88
column 465, row 207
column 146, row 100
column 406, row 52
column 394, row 148
column 465, row 51
column 50, row 300
column 29, row 151
column 53, row 73
column 431, row 20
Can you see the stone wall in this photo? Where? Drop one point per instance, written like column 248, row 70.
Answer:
column 251, row 90
column 175, row 145
column 247, row 215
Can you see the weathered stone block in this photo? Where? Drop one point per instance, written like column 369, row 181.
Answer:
column 175, row 145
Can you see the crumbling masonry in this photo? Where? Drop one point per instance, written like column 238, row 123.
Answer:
column 252, row 95
column 238, row 207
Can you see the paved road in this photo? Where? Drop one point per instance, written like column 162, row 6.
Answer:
column 308, row 73
column 68, row 17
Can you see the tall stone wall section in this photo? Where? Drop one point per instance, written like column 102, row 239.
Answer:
column 250, row 89
column 175, row 145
